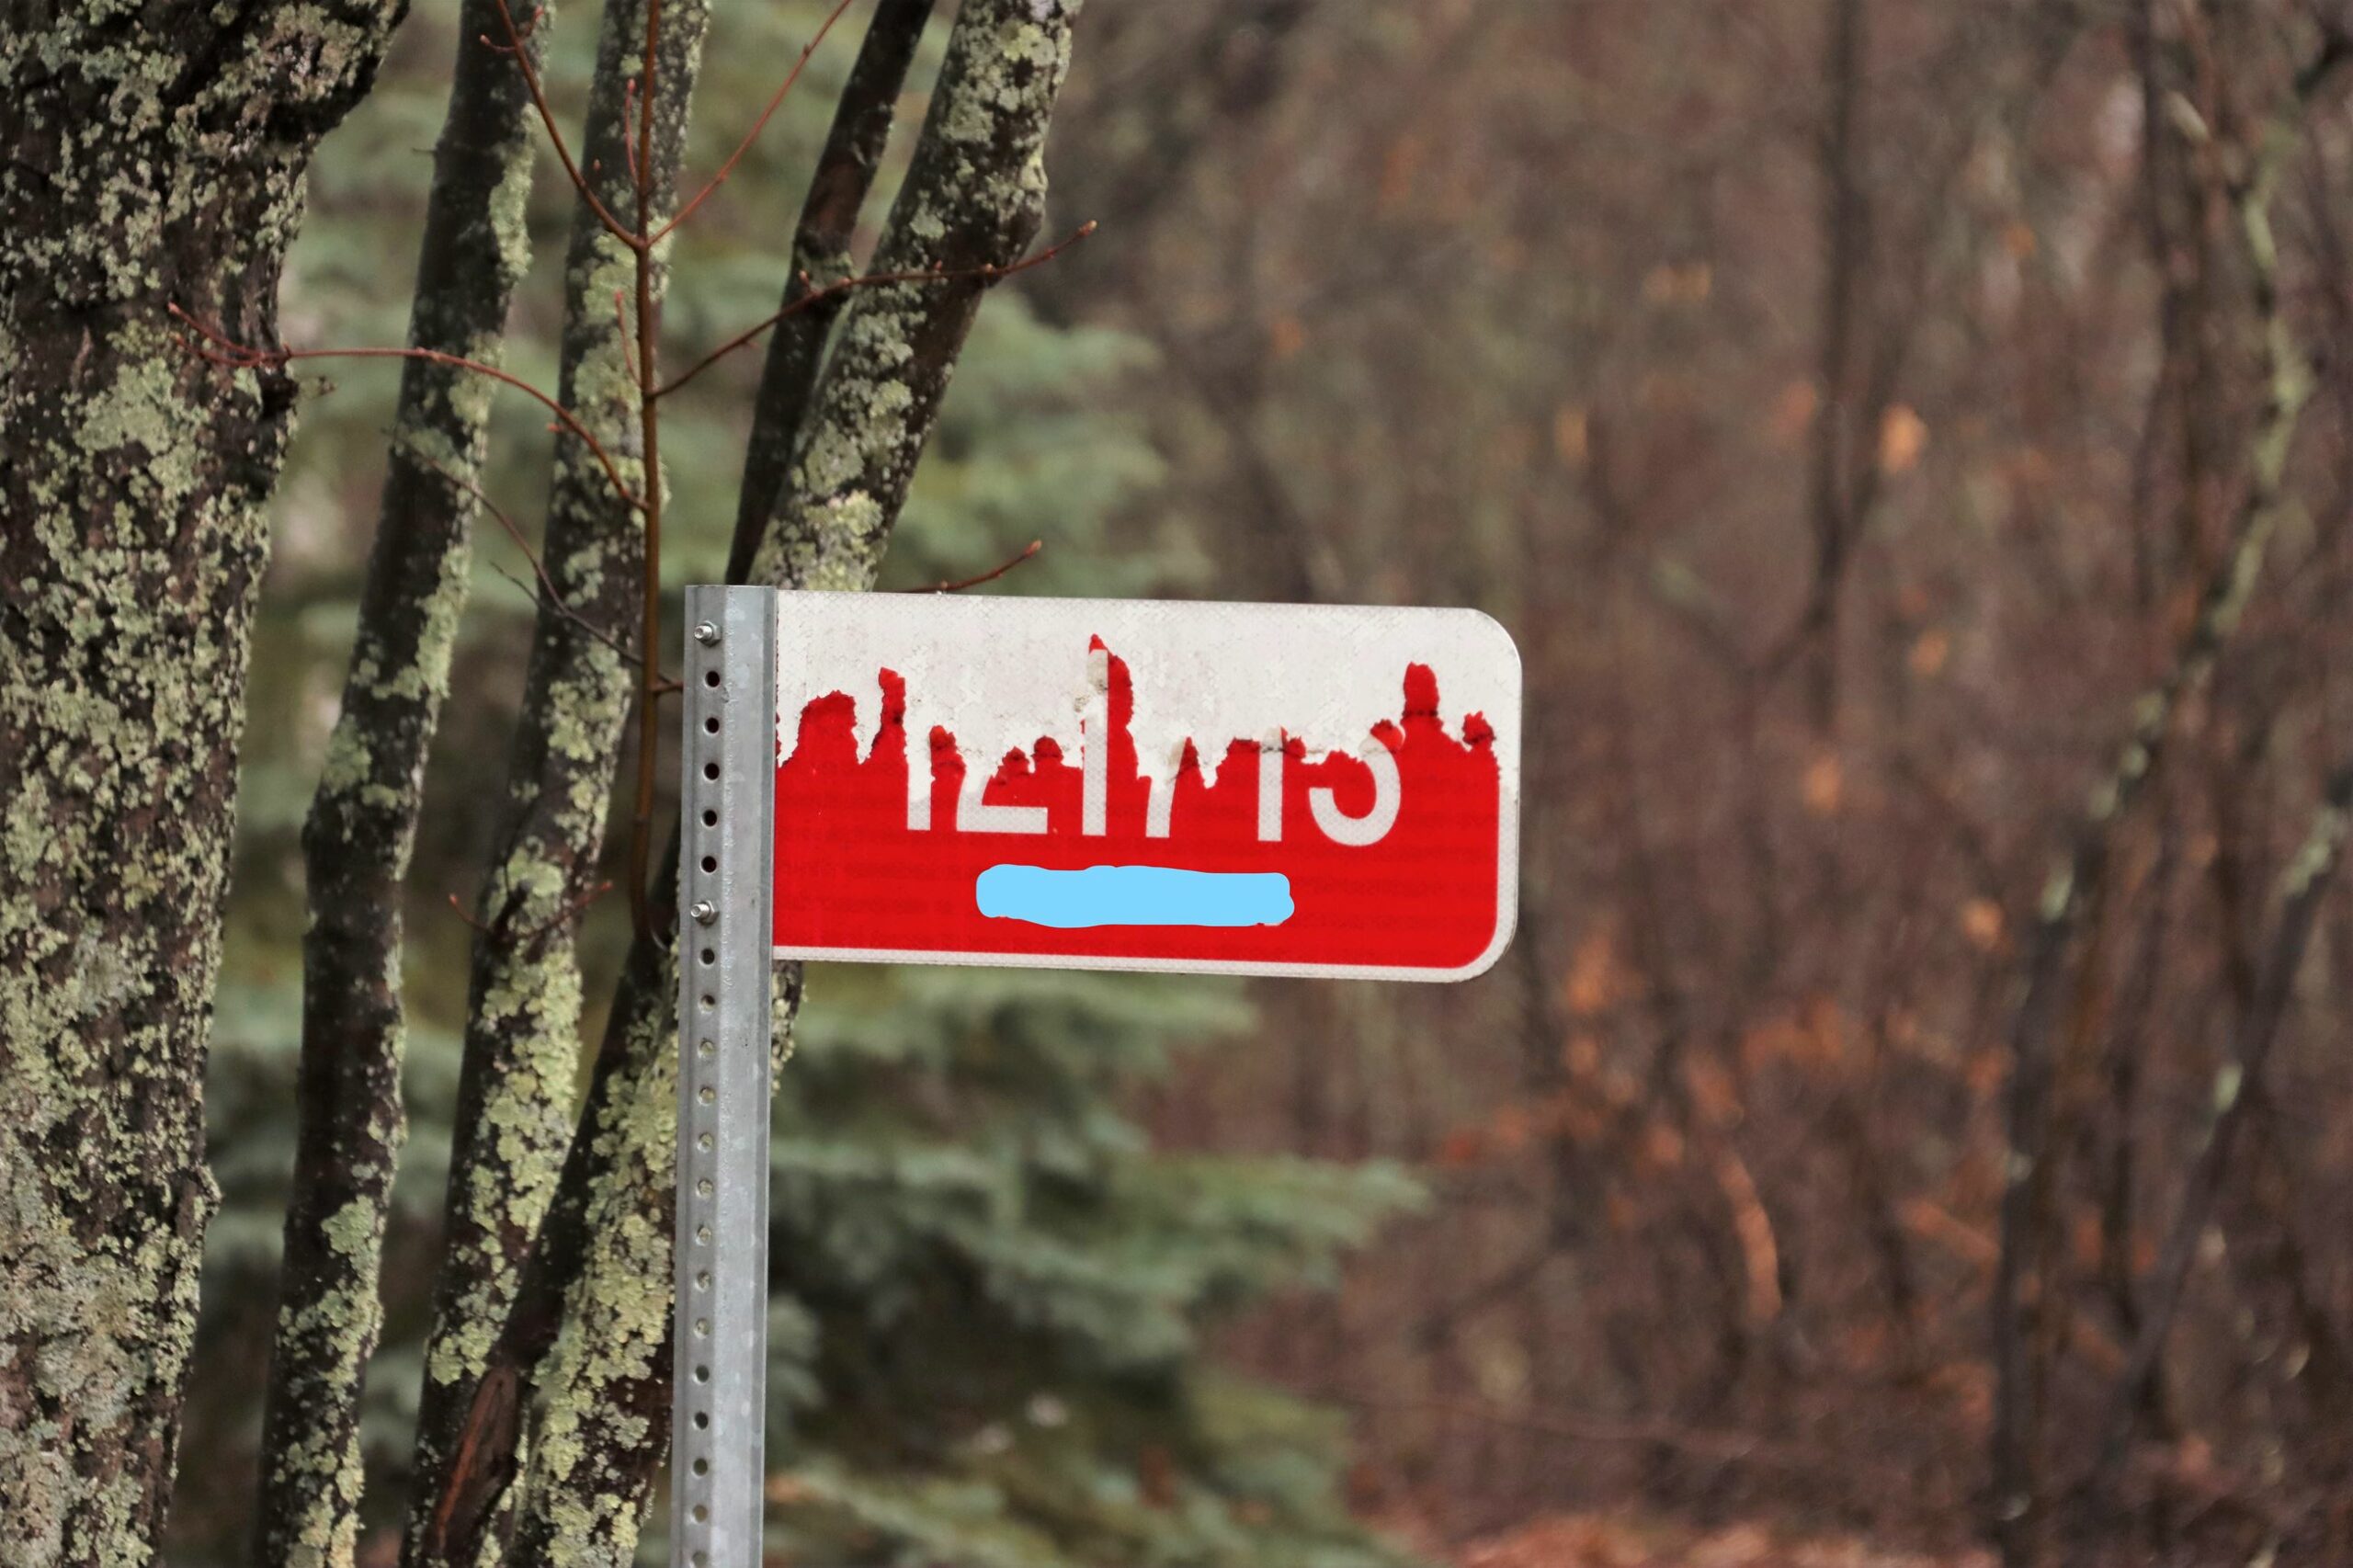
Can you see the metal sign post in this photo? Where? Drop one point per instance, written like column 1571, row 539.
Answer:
column 726, row 875
column 1294, row 790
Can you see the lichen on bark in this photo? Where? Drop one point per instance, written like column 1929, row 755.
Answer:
column 362, row 822
column 156, row 158
column 522, row 1046
column 972, row 197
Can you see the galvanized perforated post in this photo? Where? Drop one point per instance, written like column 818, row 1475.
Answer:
column 726, row 946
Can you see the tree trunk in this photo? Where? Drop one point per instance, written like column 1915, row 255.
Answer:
column 362, row 822
column 155, row 158
column 821, row 255
column 973, row 196
column 522, row 1045
column 593, row 1300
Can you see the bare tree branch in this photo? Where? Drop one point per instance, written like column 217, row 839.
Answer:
column 2236, row 1087
column 2076, row 882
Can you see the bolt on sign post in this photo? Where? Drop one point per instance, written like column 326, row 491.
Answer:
column 1224, row 788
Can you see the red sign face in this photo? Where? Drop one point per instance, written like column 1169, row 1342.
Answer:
column 1236, row 788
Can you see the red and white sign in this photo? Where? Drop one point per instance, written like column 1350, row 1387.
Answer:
column 1108, row 784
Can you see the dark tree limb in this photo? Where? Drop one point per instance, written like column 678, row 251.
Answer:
column 2076, row 883
column 2236, row 1087
column 970, row 204
column 821, row 255
column 523, row 1014
column 588, row 1330
column 973, row 200
column 362, row 822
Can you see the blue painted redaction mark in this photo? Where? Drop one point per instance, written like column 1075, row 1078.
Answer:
column 1132, row 895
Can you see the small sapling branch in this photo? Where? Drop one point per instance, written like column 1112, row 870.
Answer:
column 775, row 101
column 1029, row 552
column 984, row 274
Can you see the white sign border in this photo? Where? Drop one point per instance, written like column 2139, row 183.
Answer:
column 1507, row 867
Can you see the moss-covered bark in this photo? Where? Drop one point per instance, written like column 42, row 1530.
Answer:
column 522, row 1043
column 973, row 195
column 821, row 255
column 362, row 822
column 155, row 156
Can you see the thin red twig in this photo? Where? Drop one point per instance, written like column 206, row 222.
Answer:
column 637, row 167
column 243, row 357
column 989, row 273
column 532, row 85
column 528, row 26
column 547, row 584
column 757, row 126
column 957, row 586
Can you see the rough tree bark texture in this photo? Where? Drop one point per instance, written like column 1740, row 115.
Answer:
column 362, row 822
column 155, row 155
column 522, row 1032
column 821, row 255
column 974, row 196
column 599, row 1281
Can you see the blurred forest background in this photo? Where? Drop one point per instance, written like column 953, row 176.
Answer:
column 1845, row 404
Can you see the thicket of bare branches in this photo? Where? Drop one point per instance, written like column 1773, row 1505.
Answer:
column 1911, row 443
